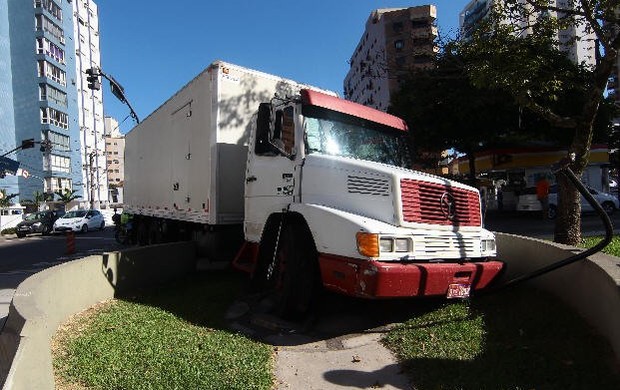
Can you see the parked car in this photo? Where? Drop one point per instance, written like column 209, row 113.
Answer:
column 80, row 221
column 528, row 201
column 39, row 222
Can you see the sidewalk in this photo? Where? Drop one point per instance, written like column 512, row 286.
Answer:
column 327, row 355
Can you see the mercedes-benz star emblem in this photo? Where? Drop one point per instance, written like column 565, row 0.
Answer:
column 448, row 205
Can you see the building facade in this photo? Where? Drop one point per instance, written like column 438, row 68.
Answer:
column 94, row 180
column 395, row 42
column 44, row 50
column 581, row 50
column 115, row 154
column 38, row 95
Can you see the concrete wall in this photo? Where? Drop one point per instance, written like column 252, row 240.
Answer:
column 591, row 286
column 43, row 301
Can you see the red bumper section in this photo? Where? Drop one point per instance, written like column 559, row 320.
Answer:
column 374, row 279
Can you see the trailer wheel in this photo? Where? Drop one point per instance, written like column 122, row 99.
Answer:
column 290, row 277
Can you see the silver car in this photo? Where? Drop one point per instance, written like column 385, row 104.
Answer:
column 528, row 201
column 80, row 221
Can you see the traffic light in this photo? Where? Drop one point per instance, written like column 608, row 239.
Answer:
column 46, row 146
column 117, row 89
column 28, row 143
column 93, row 79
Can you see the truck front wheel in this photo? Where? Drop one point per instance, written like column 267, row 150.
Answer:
column 288, row 271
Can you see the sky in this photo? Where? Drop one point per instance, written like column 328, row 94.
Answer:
column 153, row 48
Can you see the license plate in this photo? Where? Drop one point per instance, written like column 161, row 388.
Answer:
column 458, row 290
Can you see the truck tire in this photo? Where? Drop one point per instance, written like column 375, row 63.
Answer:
column 291, row 277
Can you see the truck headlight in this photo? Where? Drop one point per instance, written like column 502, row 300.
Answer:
column 371, row 245
column 487, row 245
column 402, row 245
column 386, row 245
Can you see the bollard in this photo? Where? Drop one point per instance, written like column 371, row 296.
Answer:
column 70, row 243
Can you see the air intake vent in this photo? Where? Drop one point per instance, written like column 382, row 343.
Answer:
column 435, row 203
column 364, row 185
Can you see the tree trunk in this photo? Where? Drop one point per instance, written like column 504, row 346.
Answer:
column 568, row 222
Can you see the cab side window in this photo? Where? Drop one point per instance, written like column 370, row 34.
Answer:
column 284, row 130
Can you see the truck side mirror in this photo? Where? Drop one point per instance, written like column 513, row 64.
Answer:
column 263, row 125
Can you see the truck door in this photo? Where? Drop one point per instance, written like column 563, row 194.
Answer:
column 272, row 174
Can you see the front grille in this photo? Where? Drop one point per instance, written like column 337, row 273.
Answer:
column 434, row 203
column 368, row 185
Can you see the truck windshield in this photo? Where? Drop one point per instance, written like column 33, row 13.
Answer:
column 338, row 138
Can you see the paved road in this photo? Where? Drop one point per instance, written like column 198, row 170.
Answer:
column 528, row 224
column 22, row 257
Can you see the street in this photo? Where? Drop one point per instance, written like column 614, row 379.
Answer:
column 530, row 224
column 22, row 257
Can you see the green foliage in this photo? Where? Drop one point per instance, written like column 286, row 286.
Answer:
column 613, row 248
column 518, row 339
column 517, row 50
column 66, row 195
column 172, row 338
column 7, row 231
column 5, row 198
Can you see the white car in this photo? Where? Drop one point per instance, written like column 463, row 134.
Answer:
column 528, row 201
column 80, row 221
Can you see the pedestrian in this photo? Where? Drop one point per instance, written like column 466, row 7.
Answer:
column 542, row 193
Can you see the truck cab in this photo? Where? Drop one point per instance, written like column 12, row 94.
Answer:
column 330, row 199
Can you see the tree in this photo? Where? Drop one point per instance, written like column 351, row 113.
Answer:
column 5, row 199
column 66, row 196
column 444, row 110
column 517, row 50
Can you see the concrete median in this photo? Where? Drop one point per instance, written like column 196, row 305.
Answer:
column 45, row 300
column 591, row 287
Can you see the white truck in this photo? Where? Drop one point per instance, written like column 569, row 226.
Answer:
column 310, row 190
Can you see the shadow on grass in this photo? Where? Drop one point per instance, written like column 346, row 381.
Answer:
column 203, row 299
column 529, row 340
column 524, row 339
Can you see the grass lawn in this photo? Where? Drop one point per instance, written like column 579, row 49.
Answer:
column 613, row 248
column 173, row 338
column 519, row 339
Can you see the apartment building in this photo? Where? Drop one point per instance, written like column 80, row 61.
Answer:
column 38, row 94
column 115, row 154
column 94, row 180
column 42, row 58
column 395, row 42
column 582, row 50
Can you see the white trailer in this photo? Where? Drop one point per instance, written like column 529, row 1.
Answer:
column 320, row 185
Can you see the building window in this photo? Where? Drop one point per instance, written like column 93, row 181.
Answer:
column 397, row 27
column 400, row 61
column 399, row 45
column 60, row 141
column 51, row 7
column 54, row 117
column 44, row 46
column 57, row 163
column 419, row 23
column 43, row 23
column 52, row 72
column 52, row 94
